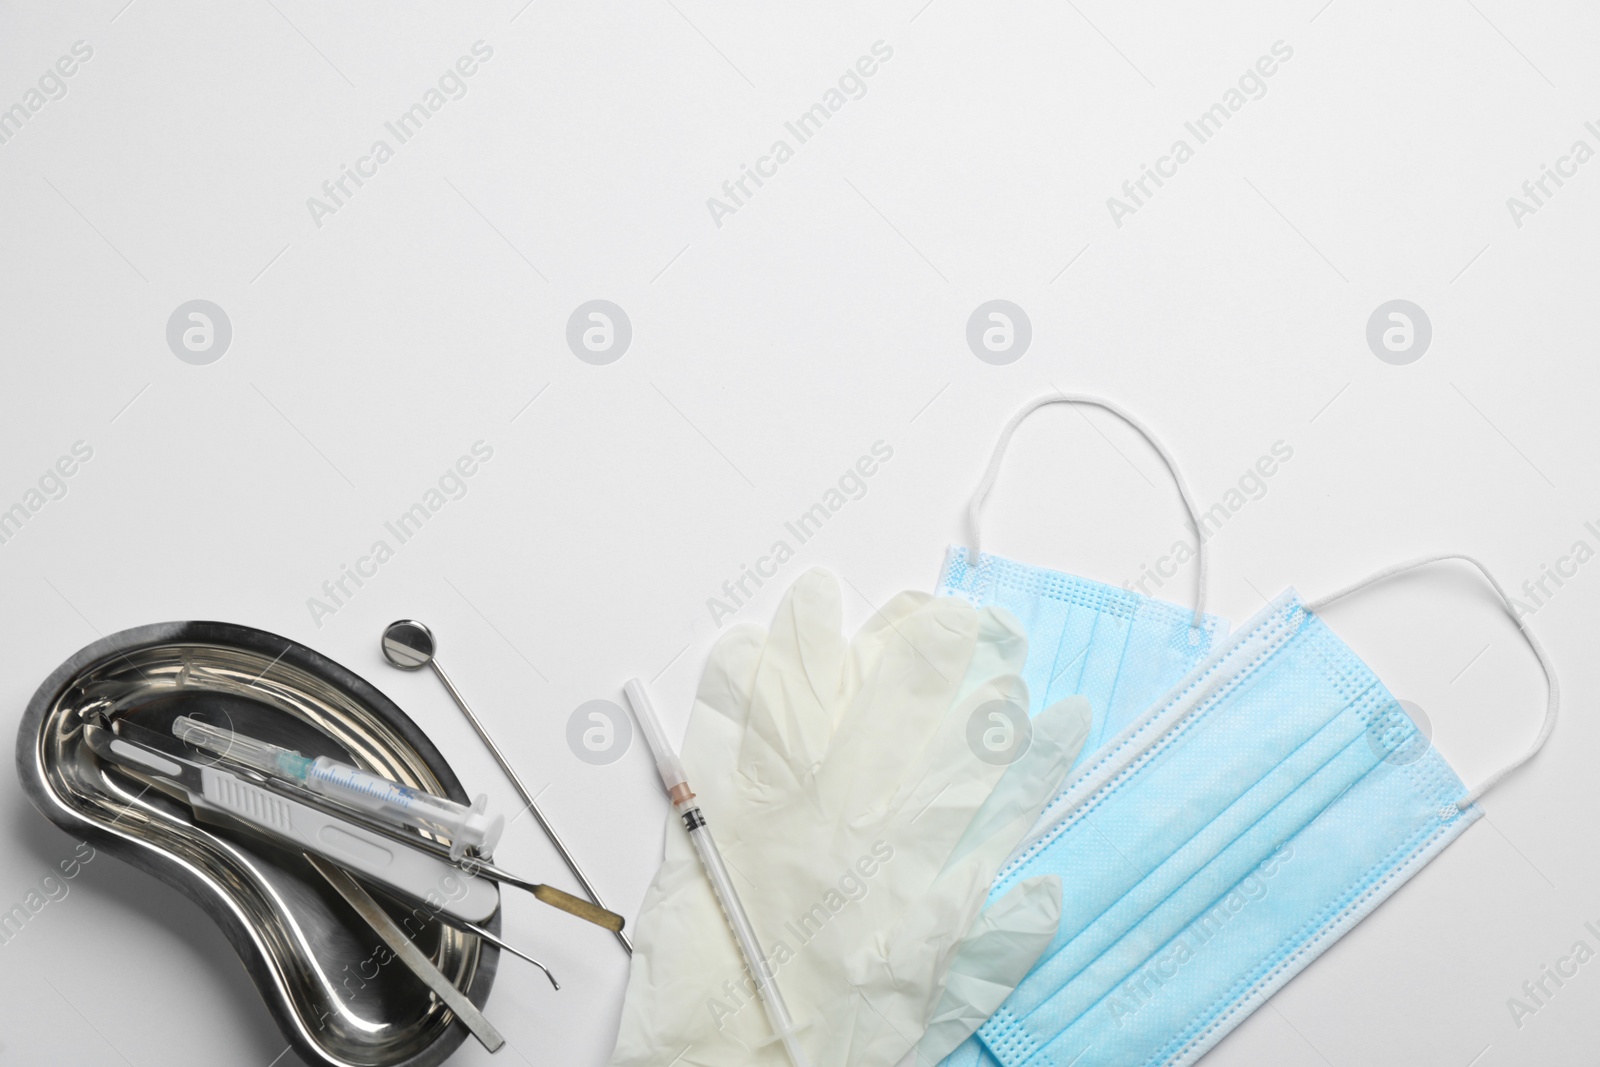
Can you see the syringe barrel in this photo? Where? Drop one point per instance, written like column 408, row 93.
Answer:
column 380, row 796
column 466, row 827
column 761, row 969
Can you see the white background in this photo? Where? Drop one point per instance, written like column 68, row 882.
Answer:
column 827, row 313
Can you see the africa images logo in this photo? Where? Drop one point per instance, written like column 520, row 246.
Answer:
column 1252, row 85
column 851, row 85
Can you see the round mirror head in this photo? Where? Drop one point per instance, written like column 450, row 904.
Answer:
column 408, row 644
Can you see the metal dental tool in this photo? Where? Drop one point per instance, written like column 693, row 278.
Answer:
column 409, row 645
column 568, row 903
column 409, row 954
column 479, row 932
column 755, row 961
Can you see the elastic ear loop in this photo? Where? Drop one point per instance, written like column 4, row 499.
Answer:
column 979, row 495
column 1533, row 643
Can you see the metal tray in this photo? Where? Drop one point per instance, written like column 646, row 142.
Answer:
column 315, row 963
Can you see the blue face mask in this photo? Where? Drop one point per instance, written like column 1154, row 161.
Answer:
column 1222, row 842
column 1119, row 648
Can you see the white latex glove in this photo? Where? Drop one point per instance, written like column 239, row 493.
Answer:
column 862, row 832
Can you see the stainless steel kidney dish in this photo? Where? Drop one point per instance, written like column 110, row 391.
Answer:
column 336, row 993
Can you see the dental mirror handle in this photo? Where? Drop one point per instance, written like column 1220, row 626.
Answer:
column 527, row 797
column 409, row 644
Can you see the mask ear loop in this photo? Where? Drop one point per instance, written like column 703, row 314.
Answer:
column 979, row 495
column 1539, row 654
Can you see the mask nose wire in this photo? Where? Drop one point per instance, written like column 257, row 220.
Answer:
column 980, row 494
column 1552, row 707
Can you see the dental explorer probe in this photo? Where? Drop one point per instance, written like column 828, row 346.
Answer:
column 409, row 645
column 671, row 770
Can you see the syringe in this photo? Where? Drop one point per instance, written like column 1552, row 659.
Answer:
column 755, row 961
column 466, row 827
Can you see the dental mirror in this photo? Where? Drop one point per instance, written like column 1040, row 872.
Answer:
column 408, row 644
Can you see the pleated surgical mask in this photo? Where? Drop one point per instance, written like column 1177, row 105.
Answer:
column 1223, row 840
column 1121, row 649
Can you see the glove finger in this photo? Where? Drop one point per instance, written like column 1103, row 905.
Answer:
column 1005, row 816
column 985, row 731
column 722, row 698
column 1001, row 638
column 1056, row 735
column 796, row 684
column 867, row 647
column 710, row 751
column 901, row 705
column 872, row 1011
column 1002, row 648
column 954, row 778
column 1003, row 945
